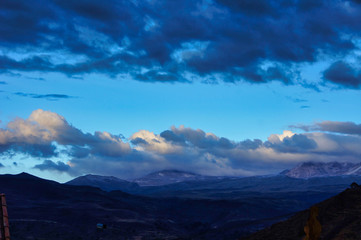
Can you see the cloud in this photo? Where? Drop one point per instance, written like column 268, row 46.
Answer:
column 3, row 83
column 290, row 142
column 163, row 41
column 297, row 100
column 52, row 166
column 343, row 74
column 39, row 134
column 1, row 165
column 50, row 97
column 333, row 127
column 49, row 137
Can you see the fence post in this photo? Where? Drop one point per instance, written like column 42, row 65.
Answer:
column 4, row 228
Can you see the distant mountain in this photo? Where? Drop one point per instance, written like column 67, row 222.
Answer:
column 339, row 217
column 319, row 169
column 166, row 177
column 104, row 182
column 172, row 183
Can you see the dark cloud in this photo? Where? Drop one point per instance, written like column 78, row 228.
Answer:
column 138, row 141
column 40, row 149
column 197, row 138
column 307, row 5
column 343, row 74
column 162, row 40
column 250, row 144
column 334, row 127
column 172, row 137
column 50, row 97
column 1, row 165
column 294, row 144
column 155, row 76
column 36, row 78
column 304, row 107
column 52, row 166
column 249, row 7
column 297, row 100
column 311, row 86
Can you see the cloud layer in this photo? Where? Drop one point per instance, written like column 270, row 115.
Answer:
column 47, row 136
column 333, row 127
column 181, row 40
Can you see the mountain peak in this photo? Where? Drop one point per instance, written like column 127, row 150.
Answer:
column 167, row 176
column 107, row 183
column 99, row 177
column 25, row 175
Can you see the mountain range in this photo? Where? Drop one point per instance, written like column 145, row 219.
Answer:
column 166, row 177
column 311, row 176
column 43, row 209
column 174, row 205
column 321, row 169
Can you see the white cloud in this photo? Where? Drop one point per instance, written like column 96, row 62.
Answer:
column 276, row 138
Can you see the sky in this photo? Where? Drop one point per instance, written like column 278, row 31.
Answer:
column 215, row 87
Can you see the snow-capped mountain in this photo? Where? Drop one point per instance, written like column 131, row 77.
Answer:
column 107, row 183
column 160, row 178
column 319, row 169
column 168, row 177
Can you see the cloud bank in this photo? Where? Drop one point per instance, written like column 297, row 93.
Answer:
column 47, row 136
column 333, row 127
column 181, row 40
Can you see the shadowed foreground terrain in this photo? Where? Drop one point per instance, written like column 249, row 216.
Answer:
column 42, row 209
column 339, row 216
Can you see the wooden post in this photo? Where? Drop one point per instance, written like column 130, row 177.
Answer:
column 4, row 232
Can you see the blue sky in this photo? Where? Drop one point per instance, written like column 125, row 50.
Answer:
column 205, row 86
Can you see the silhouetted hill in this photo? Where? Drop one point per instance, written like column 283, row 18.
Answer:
column 339, row 217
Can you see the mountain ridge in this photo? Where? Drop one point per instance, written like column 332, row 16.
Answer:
column 44, row 209
column 170, row 176
column 106, row 183
column 322, row 169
